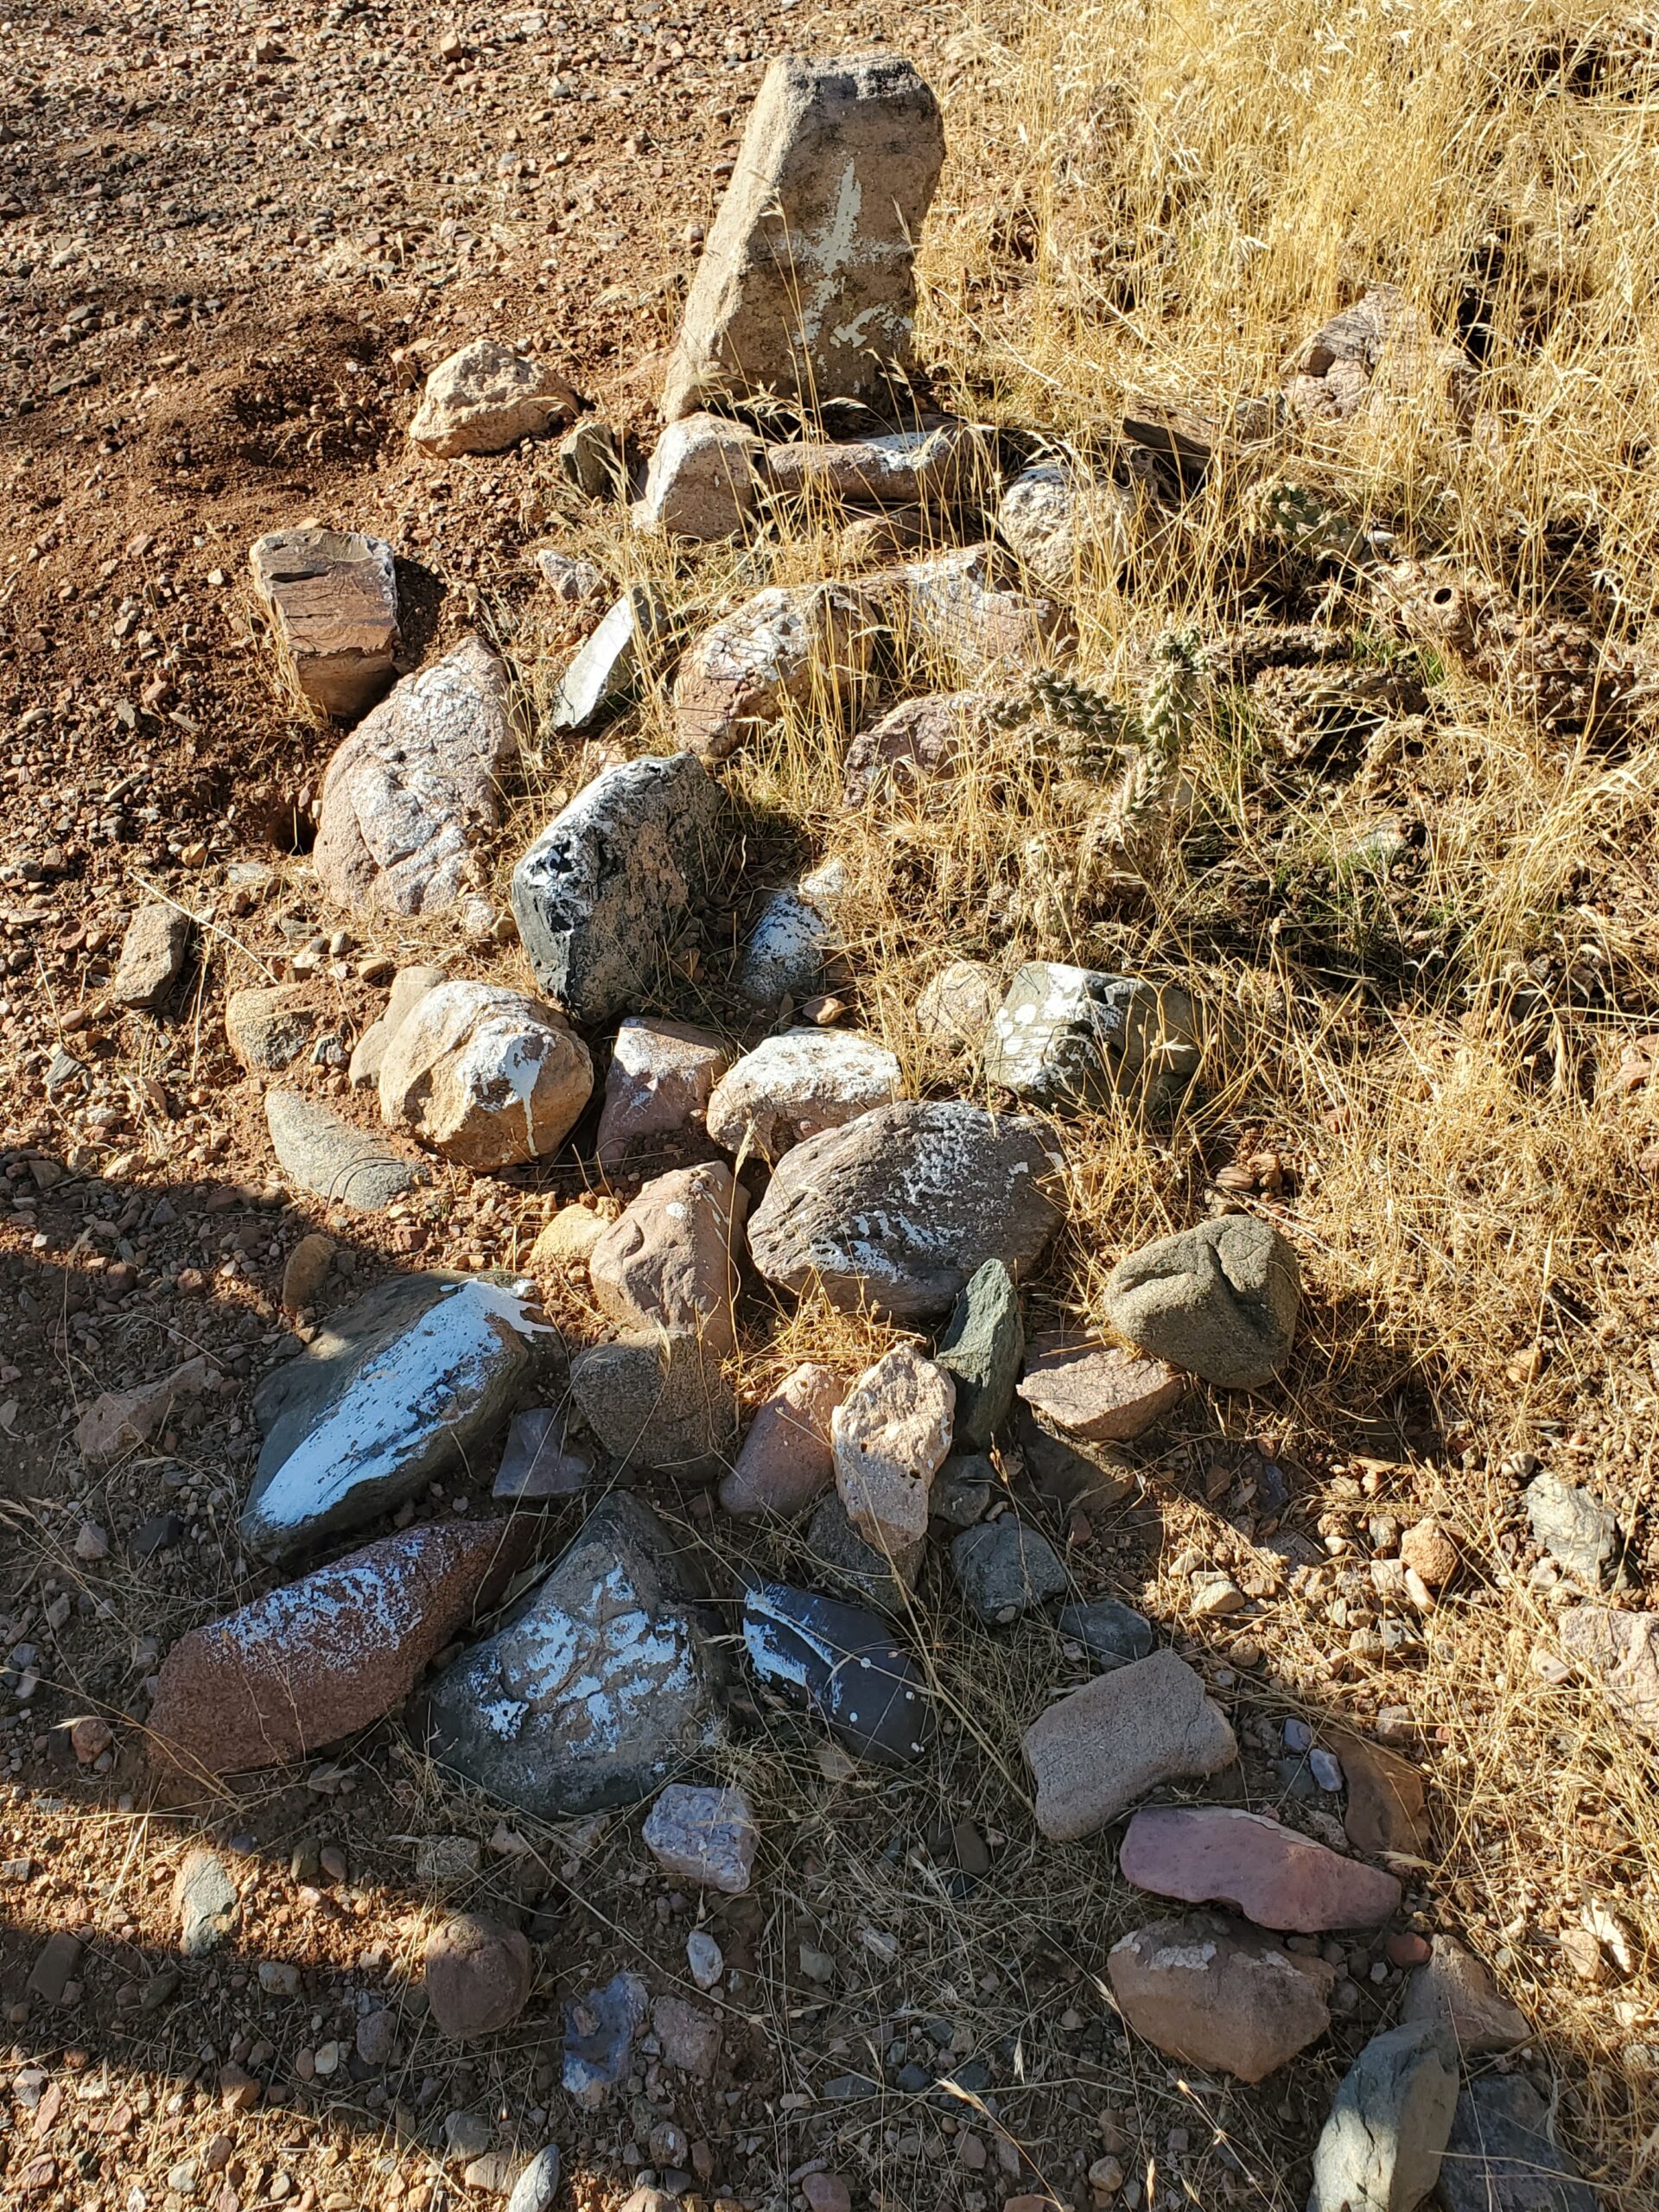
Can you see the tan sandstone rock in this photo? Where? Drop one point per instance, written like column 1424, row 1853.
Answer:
column 890, row 1436
column 485, row 1075
column 332, row 597
column 486, row 398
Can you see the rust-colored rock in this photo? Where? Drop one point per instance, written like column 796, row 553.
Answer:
column 1218, row 1854
column 478, row 1975
column 1101, row 1393
column 1219, row 1994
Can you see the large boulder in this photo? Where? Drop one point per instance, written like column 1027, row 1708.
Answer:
column 1220, row 1995
column 383, row 1400
column 600, row 1684
column 411, row 797
column 486, row 398
column 807, row 286
column 902, row 1205
column 1071, row 1037
column 667, row 1264
column 805, row 645
column 600, row 894
column 798, row 1084
column 485, row 1075
column 332, row 597
column 1219, row 1300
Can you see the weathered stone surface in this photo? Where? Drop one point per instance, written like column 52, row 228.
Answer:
column 1380, row 2149
column 807, row 286
column 1377, row 353
column 1004, row 1568
column 1453, row 1990
column 841, row 1663
column 598, row 1686
column 602, row 893
column 689, row 2036
column 703, row 478
column 786, row 1460
column 1093, row 1753
column 153, row 955
column 478, row 1975
column 903, row 1205
column 889, row 1436
column 305, row 1272
column 321, row 1658
column 486, row 398
column 1098, row 1392
column 1217, row 1854
column 387, row 1396
column 332, row 596
column 542, row 1459
column 963, row 1490
column 269, row 1026
column 706, row 1838
column 321, row 1152
column 956, row 1006
column 204, row 1904
column 567, row 1239
column 1622, row 1650
column 1069, row 529
column 1112, row 1634
column 879, row 1575
column 1385, row 1811
column 981, row 1349
column 1573, row 1527
column 794, row 940
column 657, row 1091
column 1500, row 2157
column 411, row 797
column 806, row 646
column 1206, row 1989
column 940, row 463
column 1071, row 1037
column 964, row 608
column 537, row 2186
column 916, row 749
column 1430, row 1553
column 118, row 1421
column 667, row 1264
column 572, row 582
column 798, row 1084
column 591, row 459
column 610, row 663
column 1219, row 1300
column 409, row 986
column 485, row 1075
column 599, row 2032
column 658, row 1402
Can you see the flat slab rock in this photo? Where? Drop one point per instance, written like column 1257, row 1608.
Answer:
column 1098, row 1392
column 386, row 1396
column 1219, row 1994
column 902, row 1205
column 1622, row 1650
column 332, row 596
column 1215, row 1854
column 841, row 1663
column 320, row 1658
column 611, row 662
column 597, row 1687
column 797, row 1085
column 940, row 461
column 1095, row 1753
column 321, row 1152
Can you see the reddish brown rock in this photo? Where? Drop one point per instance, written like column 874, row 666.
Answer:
column 1218, row 1854
column 478, row 1975
column 919, row 746
column 1095, row 1753
column 1430, row 1554
column 668, row 1264
column 323, row 1656
column 122, row 1420
column 657, row 1093
column 1387, row 1800
column 1101, row 1393
column 1218, row 1994
column 787, row 1461
column 1455, row 1989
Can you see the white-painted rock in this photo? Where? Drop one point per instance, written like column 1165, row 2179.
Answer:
column 806, row 646
column 795, row 939
column 890, row 1436
column 484, row 1075
column 667, row 1263
column 796, row 1084
column 486, row 399
column 705, row 1838
column 704, row 479
column 657, row 1091
column 332, row 597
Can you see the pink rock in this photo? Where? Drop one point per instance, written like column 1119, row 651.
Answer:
column 1101, row 1393
column 668, row 1264
column 1222, row 1996
column 657, row 1093
column 785, row 1462
column 121, row 1421
column 1218, row 1854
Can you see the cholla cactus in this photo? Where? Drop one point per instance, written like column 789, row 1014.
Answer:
column 1130, row 832
column 1297, row 522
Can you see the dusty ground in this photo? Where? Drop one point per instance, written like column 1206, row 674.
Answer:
column 229, row 244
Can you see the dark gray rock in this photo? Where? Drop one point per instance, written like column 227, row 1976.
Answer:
column 386, row 1396
column 599, row 2032
column 842, row 1664
column 981, row 1350
column 963, row 1490
column 1077, row 1037
column 1500, row 2158
column 603, row 892
column 323, row 1154
column 600, row 1685
column 1573, row 1527
column 1219, row 1300
column 1089, row 1478
column 902, row 1206
column 872, row 1576
column 540, row 1459
column 1004, row 1568
column 659, row 1401
column 1111, row 1634
column 1380, row 2149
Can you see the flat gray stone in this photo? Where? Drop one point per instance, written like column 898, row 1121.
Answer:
column 1573, row 1527
column 1500, row 2157
column 1004, row 1569
column 1219, row 1300
column 981, row 1350
column 537, row 2186
column 599, row 1687
column 204, row 1898
column 610, row 664
column 1077, row 1037
column 1452, row 1989
column 329, row 1156
column 1111, row 1634
column 1380, row 2149
column 1096, row 1752
column 599, row 2032
column 153, row 955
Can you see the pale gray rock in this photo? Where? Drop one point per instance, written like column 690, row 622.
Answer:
column 956, row 1007
column 1573, row 1527
column 409, row 986
column 153, row 955
column 612, row 664
column 321, row 1152
column 600, row 1683
column 1096, row 1752
column 537, row 2186
column 659, row 1401
column 269, row 1026
column 1502, row 2155
column 797, row 1084
column 940, row 463
column 1380, row 2149
column 889, row 1437
column 572, row 582
column 1622, row 1650
column 809, row 646
column 599, row 2032
column 332, row 597
column 542, row 1459
column 1068, row 528
column 206, row 1901
column 486, row 398
column 703, row 478
column 1452, row 1989
column 704, row 1837
column 1071, row 1037
column 1219, row 1300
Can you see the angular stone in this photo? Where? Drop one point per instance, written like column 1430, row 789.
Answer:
column 611, row 663
column 1222, row 1996
column 1375, row 354
column 153, row 955
column 269, row 1026
column 657, row 1091
column 842, row 1664
column 599, row 2032
column 1076, row 1037
column 1622, row 1650
column 537, row 2186
column 599, row 1685
column 786, row 1460
column 956, row 1007
column 603, row 892
column 1004, row 1568
column 981, row 1350
column 1430, row 1554
column 667, row 1264
column 689, row 2036
column 332, row 597
column 121, row 1421
column 964, row 610
column 1573, row 1527
column 317, row 1660
column 1217, row 1854
column 205, row 1903
column 485, row 1075
column 872, row 1574
column 1219, row 1300
column 478, row 1975
column 486, row 398
column 807, row 286
column 319, row 1151
column 939, row 464
column 804, row 645
column 590, row 458
column 658, row 1402
column 1095, row 1753
column 1380, row 2149
column 409, row 986
column 1453, row 1990
column 1386, row 1800
column 798, row 1084
column 963, row 1490
column 903, row 1205
column 567, row 1239
column 889, row 1436
column 1111, row 1634
column 1069, row 530
column 705, row 1838
column 411, row 797
column 1500, row 2157
column 1099, row 1393
column 793, row 942
column 386, row 1396
column 703, row 478
column 572, row 582
column 919, row 748
column 541, row 1461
